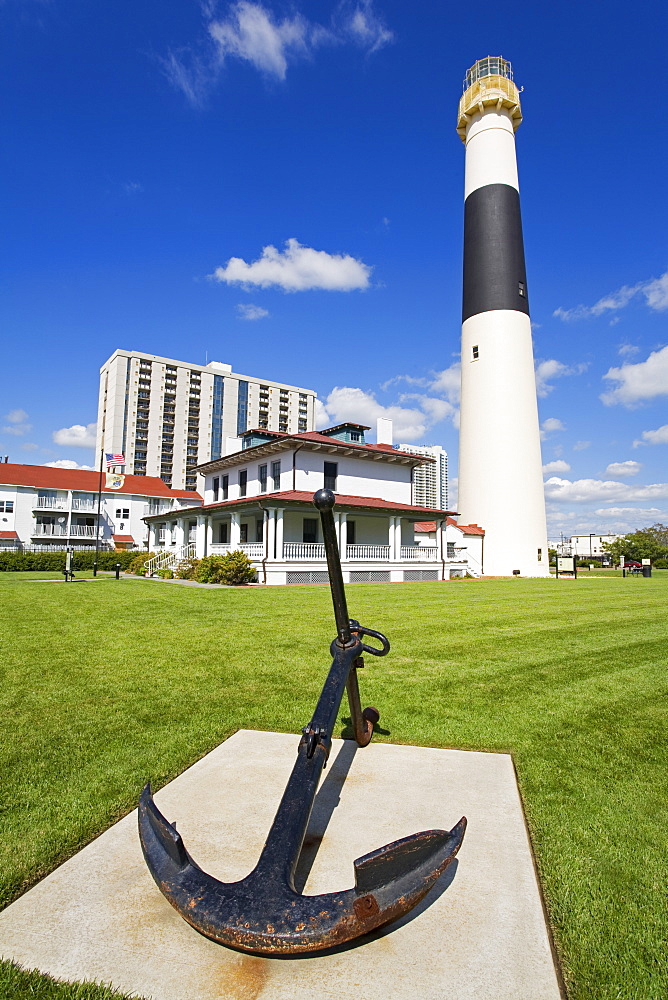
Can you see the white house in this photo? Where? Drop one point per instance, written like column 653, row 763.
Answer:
column 588, row 546
column 463, row 542
column 42, row 508
column 259, row 500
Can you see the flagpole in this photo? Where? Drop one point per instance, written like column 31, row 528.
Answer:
column 99, row 504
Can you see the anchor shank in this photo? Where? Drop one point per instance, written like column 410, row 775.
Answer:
column 284, row 841
column 324, row 501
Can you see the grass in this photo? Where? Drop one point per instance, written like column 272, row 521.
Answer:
column 109, row 685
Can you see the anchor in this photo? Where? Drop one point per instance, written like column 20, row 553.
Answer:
column 263, row 912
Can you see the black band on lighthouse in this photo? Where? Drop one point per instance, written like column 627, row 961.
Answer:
column 494, row 270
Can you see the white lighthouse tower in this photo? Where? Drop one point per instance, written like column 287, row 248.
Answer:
column 500, row 471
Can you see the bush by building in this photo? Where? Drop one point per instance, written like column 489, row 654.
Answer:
column 55, row 561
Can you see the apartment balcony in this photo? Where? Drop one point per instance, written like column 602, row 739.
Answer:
column 62, row 531
column 80, row 503
column 50, row 503
column 156, row 508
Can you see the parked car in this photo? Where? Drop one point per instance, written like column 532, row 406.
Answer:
column 632, row 564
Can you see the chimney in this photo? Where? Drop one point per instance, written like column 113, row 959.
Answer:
column 383, row 431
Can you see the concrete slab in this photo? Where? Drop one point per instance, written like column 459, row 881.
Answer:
column 480, row 935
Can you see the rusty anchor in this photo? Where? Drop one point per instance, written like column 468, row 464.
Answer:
column 263, row 912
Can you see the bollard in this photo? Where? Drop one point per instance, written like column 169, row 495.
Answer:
column 95, row 568
column 118, row 571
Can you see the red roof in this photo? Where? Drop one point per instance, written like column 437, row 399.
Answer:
column 303, row 496
column 8, row 534
column 466, row 529
column 318, row 438
column 45, row 476
column 123, row 538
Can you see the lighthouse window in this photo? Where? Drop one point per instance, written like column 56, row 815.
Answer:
column 522, row 289
column 475, row 353
column 540, row 555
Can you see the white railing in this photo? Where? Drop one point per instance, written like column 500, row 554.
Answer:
column 170, row 560
column 254, row 550
column 160, row 508
column 419, row 553
column 79, row 503
column 52, row 503
column 367, row 552
column 50, row 529
column 303, row 550
column 82, row 530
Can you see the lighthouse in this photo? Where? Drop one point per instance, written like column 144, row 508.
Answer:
column 500, row 469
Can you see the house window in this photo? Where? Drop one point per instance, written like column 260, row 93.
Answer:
column 7, row 507
column 354, row 435
column 224, row 533
column 262, row 476
column 350, row 532
column 243, row 482
column 451, row 550
column 259, row 524
column 331, row 470
column 475, row 353
column 122, row 514
column 276, row 475
column 244, row 532
column 225, row 486
column 310, row 530
column 216, row 487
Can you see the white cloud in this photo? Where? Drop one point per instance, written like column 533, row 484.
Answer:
column 252, row 33
column 297, row 269
column 588, row 490
column 655, row 292
column 551, row 369
column 251, row 312
column 627, row 350
column 581, row 445
column 76, row 436
column 29, row 446
column 659, row 436
column 410, row 423
column 16, row 423
column 550, row 426
column 623, row 469
column 557, row 466
column 66, row 463
column 638, row 382
column 621, row 511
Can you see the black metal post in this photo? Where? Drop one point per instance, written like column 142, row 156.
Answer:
column 99, row 504
column 324, row 500
column 118, row 571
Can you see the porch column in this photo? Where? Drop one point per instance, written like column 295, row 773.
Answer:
column 337, row 528
column 200, row 537
column 279, row 533
column 153, row 535
column 343, row 535
column 440, row 547
column 397, row 537
column 271, row 533
column 235, row 530
column 209, row 534
column 180, row 533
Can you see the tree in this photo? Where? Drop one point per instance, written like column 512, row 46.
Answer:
column 646, row 543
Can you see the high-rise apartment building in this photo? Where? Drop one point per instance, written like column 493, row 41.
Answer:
column 430, row 481
column 167, row 417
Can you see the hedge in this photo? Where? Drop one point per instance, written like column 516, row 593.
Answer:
column 50, row 561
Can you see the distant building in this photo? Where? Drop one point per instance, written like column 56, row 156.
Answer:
column 430, row 481
column 586, row 546
column 260, row 500
column 46, row 509
column 166, row 417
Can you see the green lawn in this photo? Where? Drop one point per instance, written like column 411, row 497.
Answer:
column 109, row 684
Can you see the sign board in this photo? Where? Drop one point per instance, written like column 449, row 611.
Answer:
column 647, row 562
column 566, row 564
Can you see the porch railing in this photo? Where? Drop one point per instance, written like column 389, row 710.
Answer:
column 367, row 552
column 52, row 503
column 419, row 553
column 79, row 503
column 50, row 529
column 303, row 550
column 82, row 530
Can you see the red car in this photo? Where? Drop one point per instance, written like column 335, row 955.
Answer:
column 632, row 564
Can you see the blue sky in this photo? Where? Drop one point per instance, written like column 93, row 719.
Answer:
column 153, row 151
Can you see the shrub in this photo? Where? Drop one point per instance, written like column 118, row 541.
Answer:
column 137, row 566
column 50, row 561
column 233, row 569
column 660, row 564
column 165, row 574
column 188, row 570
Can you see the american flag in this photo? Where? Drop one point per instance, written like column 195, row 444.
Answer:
column 114, row 460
